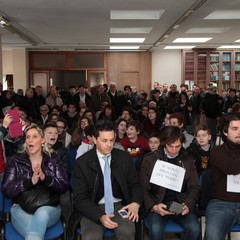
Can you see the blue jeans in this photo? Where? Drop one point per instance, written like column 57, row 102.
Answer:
column 33, row 226
column 220, row 217
column 156, row 223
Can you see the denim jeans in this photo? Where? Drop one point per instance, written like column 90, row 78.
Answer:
column 33, row 226
column 155, row 224
column 220, row 217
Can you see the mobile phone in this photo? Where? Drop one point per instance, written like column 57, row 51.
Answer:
column 176, row 207
column 123, row 213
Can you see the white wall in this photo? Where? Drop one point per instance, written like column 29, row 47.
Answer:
column 15, row 62
column 167, row 66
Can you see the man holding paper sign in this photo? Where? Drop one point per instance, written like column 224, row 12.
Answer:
column 223, row 210
column 170, row 187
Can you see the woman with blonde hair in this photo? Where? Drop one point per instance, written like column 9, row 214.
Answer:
column 34, row 180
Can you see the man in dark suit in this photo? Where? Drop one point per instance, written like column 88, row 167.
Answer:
column 89, row 196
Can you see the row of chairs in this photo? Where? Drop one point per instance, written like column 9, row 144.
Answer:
column 58, row 231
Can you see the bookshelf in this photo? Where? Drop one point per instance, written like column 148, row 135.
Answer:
column 237, row 71
column 220, row 67
column 226, row 70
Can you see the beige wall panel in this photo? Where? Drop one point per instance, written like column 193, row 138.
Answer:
column 145, row 78
column 113, row 68
column 129, row 62
column 128, row 78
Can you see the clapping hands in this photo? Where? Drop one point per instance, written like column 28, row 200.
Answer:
column 37, row 174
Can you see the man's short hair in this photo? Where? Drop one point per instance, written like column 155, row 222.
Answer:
column 179, row 116
column 171, row 134
column 225, row 122
column 136, row 124
column 203, row 127
column 155, row 135
column 44, row 107
column 51, row 124
column 127, row 87
column 103, row 126
column 156, row 91
column 63, row 120
column 232, row 90
column 127, row 109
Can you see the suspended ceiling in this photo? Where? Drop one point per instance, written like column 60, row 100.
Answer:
column 87, row 25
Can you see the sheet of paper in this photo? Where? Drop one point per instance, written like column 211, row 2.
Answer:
column 233, row 183
column 168, row 175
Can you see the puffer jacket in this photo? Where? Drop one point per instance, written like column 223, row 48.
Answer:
column 18, row 174
column 154, row 194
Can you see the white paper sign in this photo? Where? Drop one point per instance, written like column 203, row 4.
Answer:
column 233, row 183
column 168, row 175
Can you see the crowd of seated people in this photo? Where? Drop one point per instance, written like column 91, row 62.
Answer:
column 68, row 118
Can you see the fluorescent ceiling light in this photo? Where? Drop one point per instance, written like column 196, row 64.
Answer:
column 131, row 30
column 237, row 40
column 136, row 15
column 208, row 30
column 230, row 46
column 124, row 47
column 224, row 14
column 127, row 40
column 191, row 40
column 179, row 47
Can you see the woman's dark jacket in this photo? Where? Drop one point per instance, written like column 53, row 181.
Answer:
column 18, row 174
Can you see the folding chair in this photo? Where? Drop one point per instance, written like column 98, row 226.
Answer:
column 235, row 228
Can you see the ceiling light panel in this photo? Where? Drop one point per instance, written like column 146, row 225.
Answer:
column 124, row 47
column 179, row 47
column 230, row 46
column 136, row 15
column 135, row 30
column 209, row 30
column 237, row 40
column 127, row 40
column 224, row 14
column 191, row 40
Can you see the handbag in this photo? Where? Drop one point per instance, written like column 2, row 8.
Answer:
column 31, row 200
